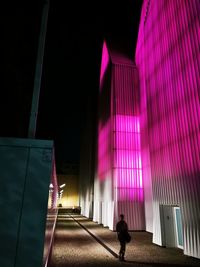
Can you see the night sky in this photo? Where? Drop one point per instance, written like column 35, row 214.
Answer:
column 70, row 79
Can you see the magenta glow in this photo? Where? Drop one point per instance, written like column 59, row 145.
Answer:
column 127, row 156
column 167, row 57
column 104, row 61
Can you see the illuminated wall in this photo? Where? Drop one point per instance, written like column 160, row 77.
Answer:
column 118, row 186
column 70, row 192
column 53, row 188
column 167, row 57
column 51, row 215
column 103, row 211
column 87, row 162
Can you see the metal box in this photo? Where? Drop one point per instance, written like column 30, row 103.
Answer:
column 25, row 173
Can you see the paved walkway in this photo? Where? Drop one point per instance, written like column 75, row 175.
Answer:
column 81, row 242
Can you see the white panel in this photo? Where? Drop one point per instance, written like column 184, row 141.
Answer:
column 157, row 239
column 148, row 197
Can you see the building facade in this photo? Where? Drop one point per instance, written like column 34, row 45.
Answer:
column 167, row 57
column 68, row 185
column 118, row 185
column 148, row 148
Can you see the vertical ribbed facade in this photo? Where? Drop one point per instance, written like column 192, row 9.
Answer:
column 118, row 186
column 167, row 57
column 86, row 174
column 103, row 182
column 127, row 165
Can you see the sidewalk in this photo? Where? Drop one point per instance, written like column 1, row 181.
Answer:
column 88, row 251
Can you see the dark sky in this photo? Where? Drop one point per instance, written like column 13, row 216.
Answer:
column 70, row 79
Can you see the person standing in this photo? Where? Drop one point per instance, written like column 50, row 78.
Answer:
column 122, row 231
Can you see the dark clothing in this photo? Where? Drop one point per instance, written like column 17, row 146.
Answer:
column 122, row 250
column 122, row 229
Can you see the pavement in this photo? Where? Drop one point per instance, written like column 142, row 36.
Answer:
column 80, row 242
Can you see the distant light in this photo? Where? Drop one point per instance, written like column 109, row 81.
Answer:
column 61, row 186
column 51, row 186
column 61, row 191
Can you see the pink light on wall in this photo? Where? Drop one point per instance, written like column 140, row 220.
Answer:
column 168, row 57
column 55, row 185
column 118, row 185
column 104, row 61
column 127, row 123
column 104, row 151
column 104, row 124
column 127, row 156
column 168, row 62
column 126, row 135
